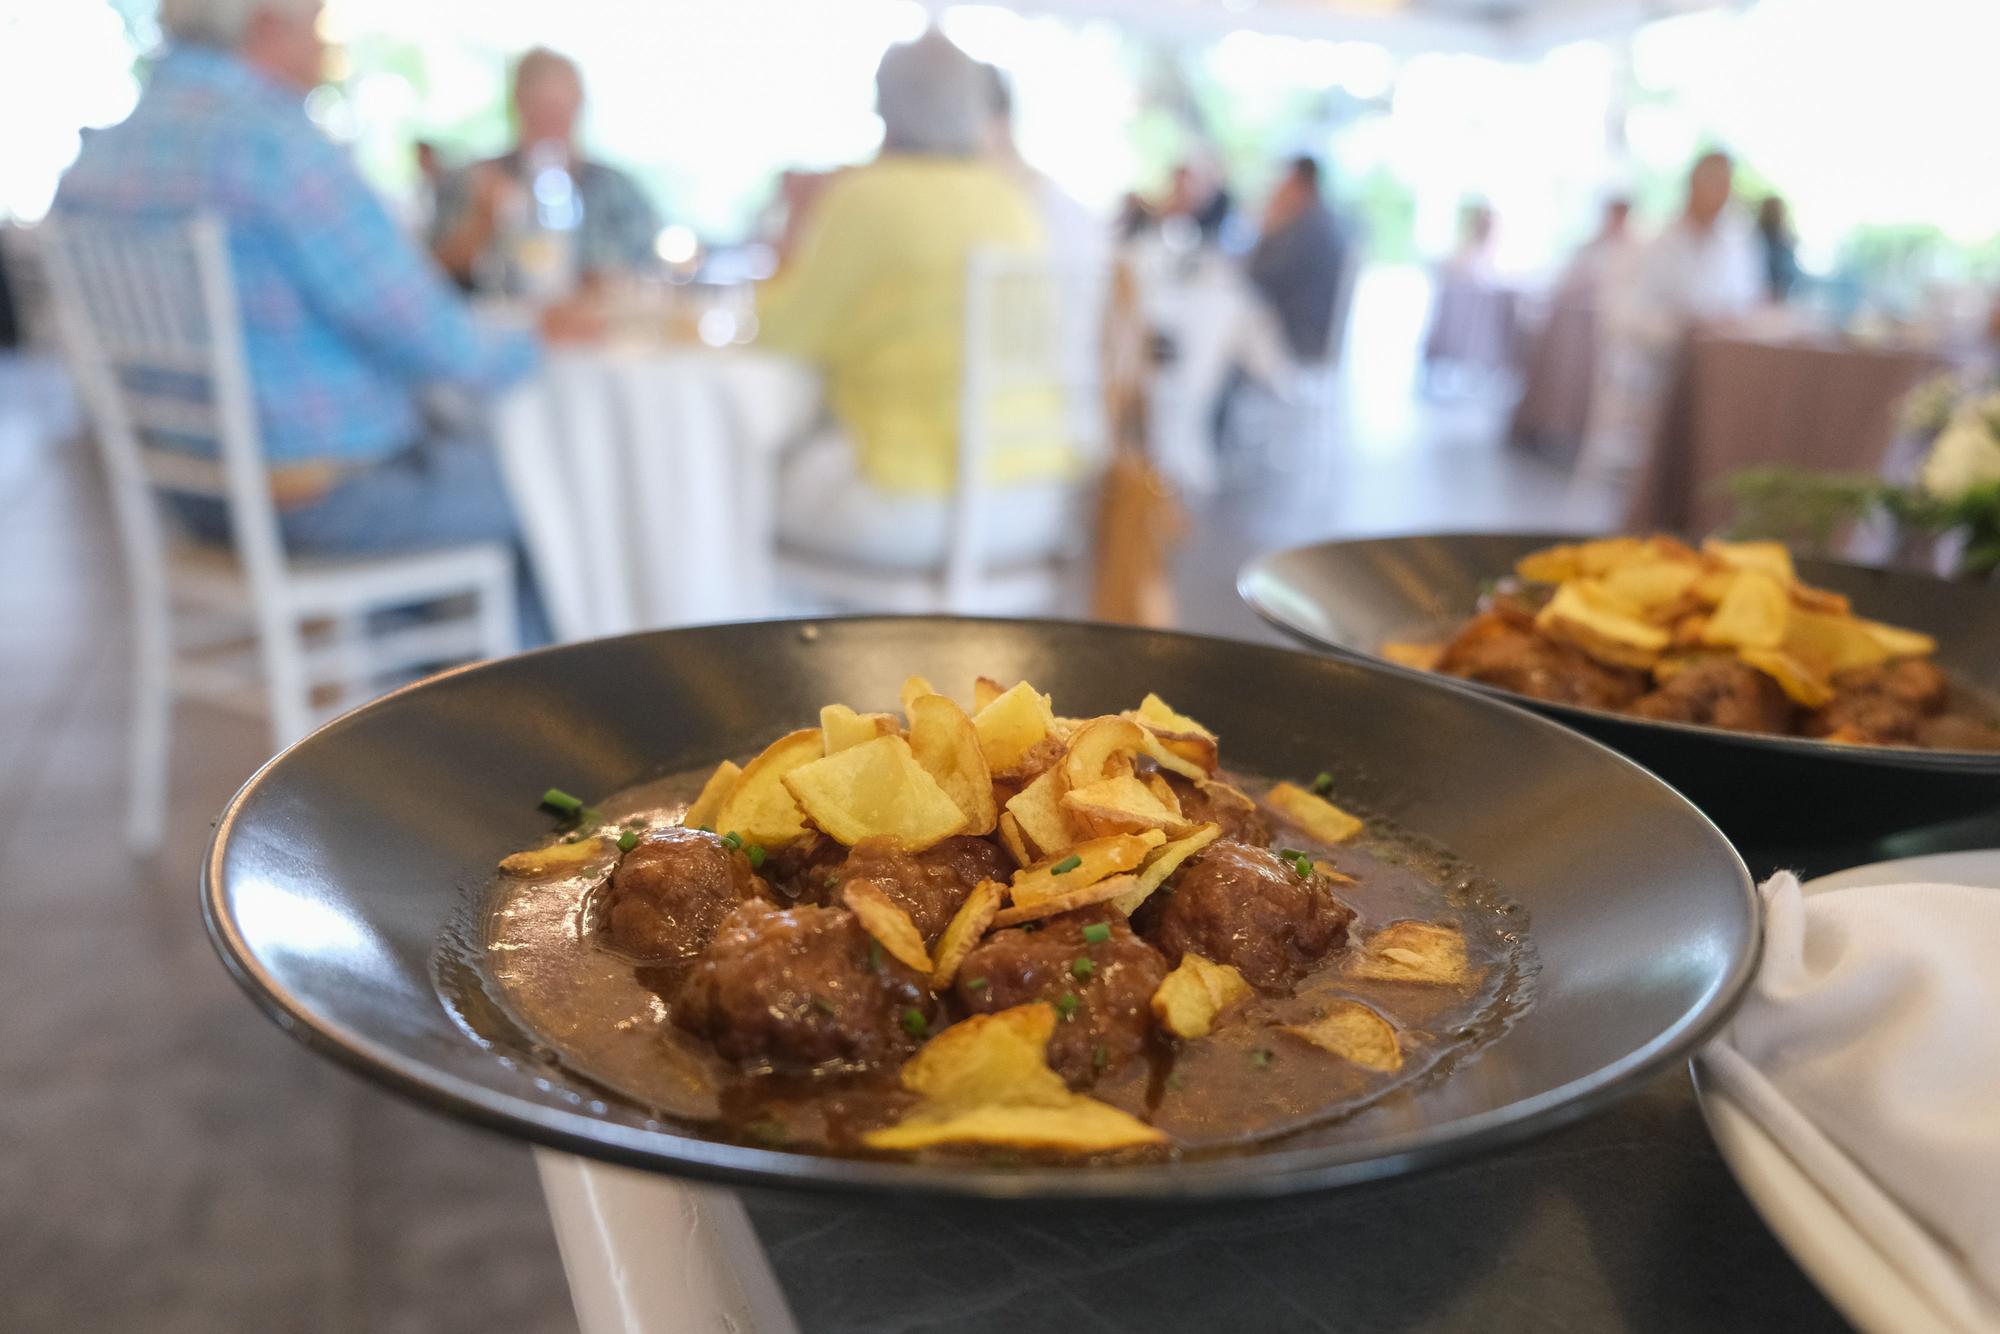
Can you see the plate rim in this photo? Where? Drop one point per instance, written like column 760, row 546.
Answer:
column 1244, row 1176
column 1776, row 1185
column 1971, row 762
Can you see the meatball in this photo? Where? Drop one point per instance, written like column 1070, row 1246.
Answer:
column 1502, row 648
column 670, row 893
column 1885, row 705
column 1102, row 990
column 802, row 988
column 1219, row 803
column 1720, row 692
column 801, row 870
column 1247, row 907
column 929, row 885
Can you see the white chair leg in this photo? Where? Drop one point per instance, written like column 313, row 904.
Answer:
column 286, row 681
column 152, row 718
column 499, row 623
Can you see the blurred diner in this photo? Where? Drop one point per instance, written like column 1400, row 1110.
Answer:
column 543, row 218
column 872, row 293
column 1301, row 259
column 346, row 324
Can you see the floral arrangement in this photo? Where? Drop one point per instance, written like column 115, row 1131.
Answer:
column 1956, row 494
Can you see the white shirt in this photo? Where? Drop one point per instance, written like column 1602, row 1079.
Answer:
column 1687, row 276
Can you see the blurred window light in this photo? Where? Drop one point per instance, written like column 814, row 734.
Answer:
column 65, row 67
column 677, row 244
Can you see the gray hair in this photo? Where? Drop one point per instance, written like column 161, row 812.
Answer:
column 932, row 98
column 219, row 22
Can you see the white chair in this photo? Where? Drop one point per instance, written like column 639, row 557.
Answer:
column 148, row 319
column 1024, row 329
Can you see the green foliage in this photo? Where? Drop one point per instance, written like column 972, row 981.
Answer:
column 1809, row 510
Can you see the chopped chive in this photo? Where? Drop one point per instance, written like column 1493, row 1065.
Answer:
column 706, row 828
column 875, row 955
column 732, row 839
column 915, row 1022
column 1323, row 783
column 558, row 800
column 1290, row 854
column 975, row 984
column 1097, row 932
column 1303, row 865
column 823, row 1005
column 628, row 840
column 1261, row 1057
column 1066, row 865
column 1066, row 1005
column 1081, row 969
column 1100, row 1056
column 756, row 854
column 1175, row 1082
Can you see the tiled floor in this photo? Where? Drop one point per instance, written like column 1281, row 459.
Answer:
column 169, row 1161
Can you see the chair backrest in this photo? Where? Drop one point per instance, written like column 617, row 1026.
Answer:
column 147, row 314
column 1032, row 327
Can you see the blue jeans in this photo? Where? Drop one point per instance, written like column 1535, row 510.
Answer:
column 443, row 491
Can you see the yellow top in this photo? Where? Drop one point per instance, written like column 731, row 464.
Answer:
column 875, row 296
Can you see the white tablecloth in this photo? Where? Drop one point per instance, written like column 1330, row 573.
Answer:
column 644, row 480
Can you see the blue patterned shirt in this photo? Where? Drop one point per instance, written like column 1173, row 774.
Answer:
column 345, row 321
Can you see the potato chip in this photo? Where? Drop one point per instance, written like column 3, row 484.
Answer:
column 760, row 807
column 1821, row 599
column 1068, row 901
column 1178, row 733
column 1161, row 863
column 1354, row 1032
column 968, row 924
column 875, row 789
column 1188, row 999
column 914, row 687
column 1557, row 564
column 1804, row 685
column 984, row 691
column 888, row 921
column 1329, row 871
column 1083, row 864
column 702, row 810
column 1423, row 657
column 1011, row 726
column 841, row 727
column 556, row 858
column 1688, row 630
column 1102, row 748
column 1156, row 712
column 1770, row 559
column 1650, row 584
column 1607, row 628
column 1831, row 644
column 1900, row 643
column 1316, row 816
column 944, row 742
column 1413, row 952
column 1011, row 836
column 1190, row 756
column 1082, row 1125
column 1118, row 805
column 1753, row 613
column 1164, row 790
column 1037, row 810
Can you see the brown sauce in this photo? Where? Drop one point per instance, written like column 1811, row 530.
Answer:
column 542, row 964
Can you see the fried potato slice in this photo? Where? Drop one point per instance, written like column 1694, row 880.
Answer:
column 1013, row 724
column 1160, row 788
column 1771, row 559
column 1013, row 839
column 1805, row 685
column 556, row 858
column 1821, row 599
column 1831, row 643
column 875, row 788
column 1177, row 732
column 1411, row 951
column 1329, row 871
column 914, row 687
column 707, row 802
column 1103, row 891
column 1161, row 863
column 1354, row 1032
column 1574, row 560
column 1092, row 861
column 1037, row 810
column 1156, row 712
column 984, row 691
column 1188, row 755
column 886, row 920
column 1314, row 815
column 1188, row 999
column 1753, row 613
column 1121, row 805
column 1083, row 1125
column 1406, row 653
column 841, row 727
column 1899, row 642
column 968, row 924
column 1606, row 627
column 944, row 742
column 760, row 806
column 1102, row 748
column 1650, row 584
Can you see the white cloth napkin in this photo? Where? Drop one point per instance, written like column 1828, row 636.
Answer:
column 1869, row 1049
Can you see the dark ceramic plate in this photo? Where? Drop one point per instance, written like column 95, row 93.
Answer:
column 1351, row 597
column 339, row 867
